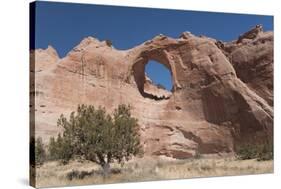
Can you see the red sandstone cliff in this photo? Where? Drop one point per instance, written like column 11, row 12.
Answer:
column 222, row 92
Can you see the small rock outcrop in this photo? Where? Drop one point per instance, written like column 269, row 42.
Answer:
column 222, row 92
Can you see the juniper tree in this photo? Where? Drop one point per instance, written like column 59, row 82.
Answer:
column 97, row 136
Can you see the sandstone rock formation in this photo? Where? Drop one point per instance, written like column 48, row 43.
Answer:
column 222, row 91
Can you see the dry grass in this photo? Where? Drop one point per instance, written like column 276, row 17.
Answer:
column 53, row 174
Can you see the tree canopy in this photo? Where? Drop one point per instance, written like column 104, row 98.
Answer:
column 96, row 136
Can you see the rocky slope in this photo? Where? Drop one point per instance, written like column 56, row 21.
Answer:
column 222, row 92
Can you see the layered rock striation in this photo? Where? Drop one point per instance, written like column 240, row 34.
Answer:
column 222, row 93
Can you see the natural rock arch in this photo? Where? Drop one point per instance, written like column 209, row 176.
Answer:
column 162, row 57
column 211, row 110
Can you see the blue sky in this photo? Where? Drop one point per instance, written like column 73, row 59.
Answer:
column 64, row 25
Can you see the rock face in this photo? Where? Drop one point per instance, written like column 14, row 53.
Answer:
column 222, row 92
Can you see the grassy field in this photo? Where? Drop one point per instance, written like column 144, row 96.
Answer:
column 77, row 173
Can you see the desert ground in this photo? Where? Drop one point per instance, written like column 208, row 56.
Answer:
column 146, row 169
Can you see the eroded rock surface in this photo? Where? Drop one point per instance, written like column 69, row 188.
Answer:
column 222, row 92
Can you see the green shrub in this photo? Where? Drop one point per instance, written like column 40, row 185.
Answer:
column 52, row 149
column 40, row 153
column 266, row 152
column 74, row 174
column 261, row 152
column 60, row 149
column 94, row 135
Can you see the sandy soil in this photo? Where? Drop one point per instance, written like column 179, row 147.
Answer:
column 146, row 169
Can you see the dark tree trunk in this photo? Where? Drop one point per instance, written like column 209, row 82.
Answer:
column 106, row 169
column 104, row 164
